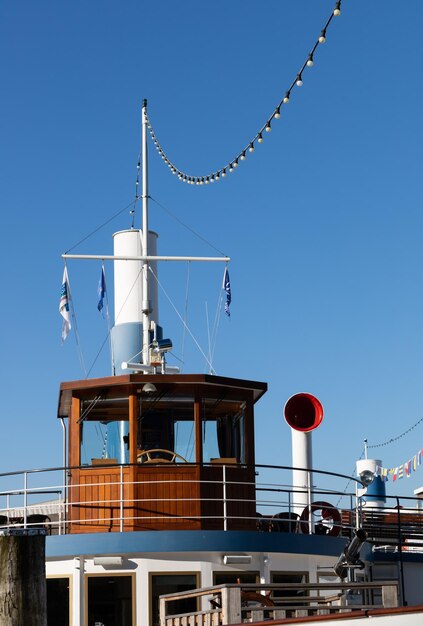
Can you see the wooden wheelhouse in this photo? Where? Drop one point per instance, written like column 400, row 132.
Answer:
column 160, row 452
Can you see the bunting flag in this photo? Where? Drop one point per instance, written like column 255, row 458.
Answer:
column 64, row 305
column 406, row 469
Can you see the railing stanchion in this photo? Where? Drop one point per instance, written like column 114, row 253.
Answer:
column 310, row 512
column 225, row 509
column 121, row 500
column 25, row 498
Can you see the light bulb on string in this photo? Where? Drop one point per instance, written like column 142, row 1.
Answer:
column 266, row 128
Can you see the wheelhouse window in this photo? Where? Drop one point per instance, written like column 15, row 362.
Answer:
column 104, row 431
column 166, row 425
column 223, row 430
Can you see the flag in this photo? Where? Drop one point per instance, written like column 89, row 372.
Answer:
column 64, row 306
column 101, row 290
column 227, row 288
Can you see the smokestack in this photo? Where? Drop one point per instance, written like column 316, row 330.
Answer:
column 304, row 413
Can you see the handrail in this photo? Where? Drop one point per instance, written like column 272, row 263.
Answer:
column 264, row 503
column 235, row 603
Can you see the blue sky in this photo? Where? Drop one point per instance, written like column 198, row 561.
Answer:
column 323, row 222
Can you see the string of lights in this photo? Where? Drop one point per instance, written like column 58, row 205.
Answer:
column 387, row 443
column 259, row 136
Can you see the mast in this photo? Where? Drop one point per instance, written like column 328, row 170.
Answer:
column 145, row 266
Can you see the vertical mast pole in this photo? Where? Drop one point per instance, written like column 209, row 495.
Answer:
column 145, row 271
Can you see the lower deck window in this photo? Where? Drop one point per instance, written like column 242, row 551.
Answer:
column 233, row 578
column 110, row 601
column 172, row 583
column 299, row 578
column 58, row 601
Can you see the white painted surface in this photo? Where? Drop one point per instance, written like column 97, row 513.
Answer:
column 128, row 277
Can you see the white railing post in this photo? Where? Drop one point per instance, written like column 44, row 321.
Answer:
column 310, row 512
column 225, row 505
column 121, row 500
column 25, row 498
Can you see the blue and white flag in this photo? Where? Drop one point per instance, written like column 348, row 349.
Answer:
column 227, row 287
column 64, row 306
column 101, row 290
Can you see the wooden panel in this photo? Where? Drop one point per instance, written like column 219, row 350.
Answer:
column 240, row 498
column 98, row 506
column 167, row 497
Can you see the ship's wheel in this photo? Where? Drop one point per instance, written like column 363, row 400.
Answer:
column 159, row 455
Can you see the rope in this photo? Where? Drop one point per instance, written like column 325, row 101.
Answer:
column 77, row 339
column 180, row 317
column 216, row 322
column 386, row 443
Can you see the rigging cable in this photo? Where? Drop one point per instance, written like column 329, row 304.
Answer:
column 116, row 318
column 181, row 318
column 185, row 314
column 132, row 203
column 191, row 230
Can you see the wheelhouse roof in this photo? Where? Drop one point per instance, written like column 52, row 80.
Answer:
column 132, row 383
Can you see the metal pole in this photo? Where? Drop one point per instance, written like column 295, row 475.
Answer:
column 143, row 257
column 145, row 265
column 121, row 500
column 310, row 512
column 225, row 511
column 25, row 497
column 401, row 562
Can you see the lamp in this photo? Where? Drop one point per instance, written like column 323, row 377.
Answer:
column 241, row 559
column 149, row 388
column 108, row 560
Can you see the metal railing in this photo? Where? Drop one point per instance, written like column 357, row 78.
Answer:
column 269, row 506
column 233, row 604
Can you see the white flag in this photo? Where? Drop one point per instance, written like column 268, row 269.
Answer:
column 64, row 306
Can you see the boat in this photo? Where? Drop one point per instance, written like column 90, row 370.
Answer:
column 161, row 513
